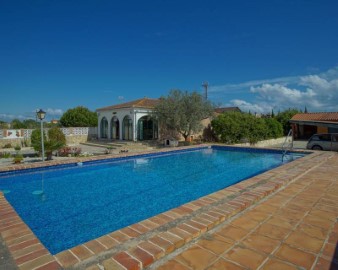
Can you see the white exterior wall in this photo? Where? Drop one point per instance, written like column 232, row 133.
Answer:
column 134, row 113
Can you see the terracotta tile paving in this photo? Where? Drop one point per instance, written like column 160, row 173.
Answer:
column 196, row 258
column 290, row 230
column 274, row 264
column 282, row 219
column 222, row 264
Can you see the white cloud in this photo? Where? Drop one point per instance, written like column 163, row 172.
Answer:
column 318, row 92
column 10, row 117
column 279, row 94
column 243, row 87
column 50, row 113
column 55, row 112
column 247, row 106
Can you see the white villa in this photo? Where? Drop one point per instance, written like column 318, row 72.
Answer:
column 131, row 121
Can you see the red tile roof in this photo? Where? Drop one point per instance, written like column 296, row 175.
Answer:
column 227, row 109
column 148, row 103
column 321, row 116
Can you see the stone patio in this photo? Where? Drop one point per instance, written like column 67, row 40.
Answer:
column 285, row 218
column 295, row 228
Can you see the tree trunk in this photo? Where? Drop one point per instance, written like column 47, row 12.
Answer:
column 49, row 155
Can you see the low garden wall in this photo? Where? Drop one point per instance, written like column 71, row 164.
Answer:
column 265, row 143
column 77, row 139
column 11, row 143
column 21, row 137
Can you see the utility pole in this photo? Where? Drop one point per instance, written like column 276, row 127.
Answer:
column 205, row 85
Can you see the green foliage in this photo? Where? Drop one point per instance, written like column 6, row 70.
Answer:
column 7, row 145
column 30, row 124
column 55, row 141
column 236, row 127
column 256, row 129
column 56, row 134
column 182, row 112
column 274, row 128
column 17, row 148
column 228, row 127
column 25, row 124
column 17, row 124
column 3, row 125
column 18, row 158
column 36, row 139
column 284, row 117
column 5, row 155
column 50, row 125
column 79, row 117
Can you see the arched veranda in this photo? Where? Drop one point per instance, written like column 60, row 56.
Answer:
column 115, row 128
column 127, row 128
column 147, row 128
column 104, row 128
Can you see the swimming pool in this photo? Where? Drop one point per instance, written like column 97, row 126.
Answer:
column 80, row 203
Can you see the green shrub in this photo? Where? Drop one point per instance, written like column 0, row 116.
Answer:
column 56, row 134
column 236, row 127
column 284, row 117
column 79, row 117
column 274, row 128
column 5, row 155
column 56, row 140
column 7, row 145
column 18, row 158
column 36, row 140
column 17, row 148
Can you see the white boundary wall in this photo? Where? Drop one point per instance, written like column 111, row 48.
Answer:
column 74, row 135
column 265, row 143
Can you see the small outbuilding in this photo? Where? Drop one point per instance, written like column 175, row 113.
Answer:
column 131, row 121
column 304, row 125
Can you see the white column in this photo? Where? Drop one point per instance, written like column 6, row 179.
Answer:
column 109, row 129
column 120, row 128
column 134, row 127
column 99, row 128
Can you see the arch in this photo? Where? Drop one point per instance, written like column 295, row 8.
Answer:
column 115, row 128
column 104, row 128
column 147, row 128
column 127, row 128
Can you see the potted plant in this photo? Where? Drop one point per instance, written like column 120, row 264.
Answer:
column 17, row 148
column 109, row 150
column 18, row 158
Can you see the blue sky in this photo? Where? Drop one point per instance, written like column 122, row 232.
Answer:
column 258, row 55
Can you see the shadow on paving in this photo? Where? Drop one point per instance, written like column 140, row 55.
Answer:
column 6, row 260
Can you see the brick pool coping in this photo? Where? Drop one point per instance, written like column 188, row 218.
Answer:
column 139, row 245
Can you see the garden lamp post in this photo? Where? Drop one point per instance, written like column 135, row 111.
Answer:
column 41, row 115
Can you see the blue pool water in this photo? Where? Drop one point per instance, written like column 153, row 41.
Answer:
column 81, row 203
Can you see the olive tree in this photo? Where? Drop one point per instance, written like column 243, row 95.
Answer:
column 182, row 112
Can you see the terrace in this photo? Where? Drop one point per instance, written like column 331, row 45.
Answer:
column 286, row 218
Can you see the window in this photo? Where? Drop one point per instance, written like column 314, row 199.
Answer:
column 315, row 138
column 325, row 137
column 104, row 128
